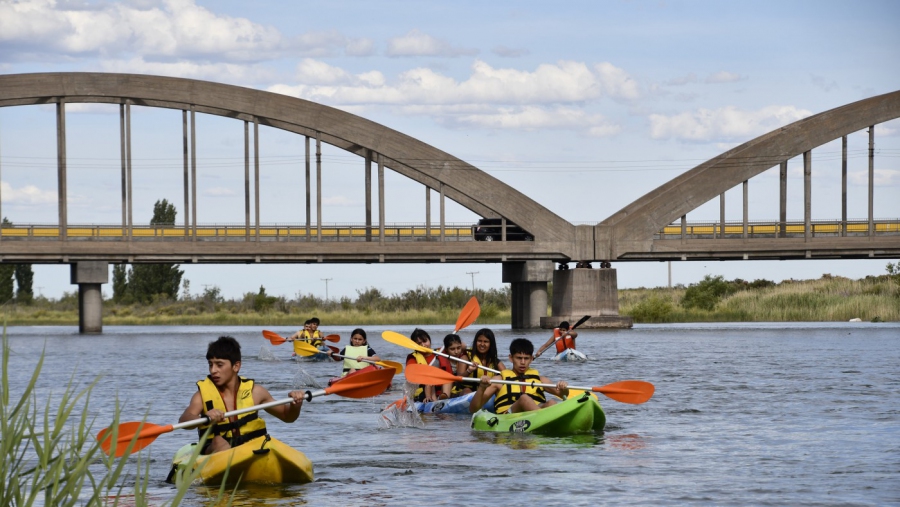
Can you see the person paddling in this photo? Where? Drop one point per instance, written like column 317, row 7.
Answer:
column 518, row 398
column 223, row 390
column 563, row 337
column 358, row 350
column 483, row 353
column 425, row 393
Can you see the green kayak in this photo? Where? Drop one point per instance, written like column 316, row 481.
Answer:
column 578, row 414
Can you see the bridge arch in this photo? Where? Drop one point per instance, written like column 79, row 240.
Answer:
column 631, row 230
column 462, row 182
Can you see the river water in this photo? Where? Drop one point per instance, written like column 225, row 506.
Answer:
column 744, row 414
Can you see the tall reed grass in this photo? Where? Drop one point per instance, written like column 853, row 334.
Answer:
column 49, row 455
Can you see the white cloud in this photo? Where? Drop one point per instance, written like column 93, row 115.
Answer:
column 320, row 73
column 723, row 124
column 533, row 118
column 28, row 195
column 883, row 178
column 560, row 83
column 220, row 72
column 724, row 77
column 161, row 29
column 360, row 47
column 417, row 43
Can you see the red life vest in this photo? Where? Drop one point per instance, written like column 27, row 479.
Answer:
column 563, row 343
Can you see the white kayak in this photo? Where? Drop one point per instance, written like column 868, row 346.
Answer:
column 570, row 355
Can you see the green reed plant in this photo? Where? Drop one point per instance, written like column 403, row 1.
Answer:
column 49, row 455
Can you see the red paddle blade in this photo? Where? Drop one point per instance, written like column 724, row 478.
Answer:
column 126, row 433
column 468, row 314
column 429, row 375
column 273, row 337
column 335, row 350
column 333, row 338
column 626, row 391
column 363, row 385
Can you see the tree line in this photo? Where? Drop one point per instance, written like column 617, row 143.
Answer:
column 16, row 280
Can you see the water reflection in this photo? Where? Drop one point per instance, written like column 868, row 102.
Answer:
column 532, row 441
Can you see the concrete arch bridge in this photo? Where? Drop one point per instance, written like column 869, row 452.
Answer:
column 652, row 228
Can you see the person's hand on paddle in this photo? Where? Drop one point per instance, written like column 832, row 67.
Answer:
column 562, row 389
column 298, row 397
column 215, row 416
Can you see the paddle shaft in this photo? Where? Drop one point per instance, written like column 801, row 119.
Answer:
column 370, row 361
column 470, row 363
column 540, row 384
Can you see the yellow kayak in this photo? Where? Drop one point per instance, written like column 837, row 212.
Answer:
column 264, row 460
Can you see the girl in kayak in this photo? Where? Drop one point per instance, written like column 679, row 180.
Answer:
column 482, row 353
column 425, row 393
column 518, row 398
column 358, row 350
column 453, row 346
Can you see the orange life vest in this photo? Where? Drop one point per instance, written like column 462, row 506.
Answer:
column 563, row 343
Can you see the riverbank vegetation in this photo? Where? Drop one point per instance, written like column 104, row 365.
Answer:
column 713, row 299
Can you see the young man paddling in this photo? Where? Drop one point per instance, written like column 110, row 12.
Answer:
column 563, row 337
column 223, row 390
column 518, row 398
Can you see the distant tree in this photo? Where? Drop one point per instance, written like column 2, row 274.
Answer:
column 24, row 282
column 6, row 282
column 120, row 283
column 145, row 281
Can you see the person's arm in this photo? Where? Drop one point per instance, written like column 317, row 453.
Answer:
column 372, row 355
column 544, row 347
column 287, row 413
column 482, row 394
column 560, row 391
column 194, row 410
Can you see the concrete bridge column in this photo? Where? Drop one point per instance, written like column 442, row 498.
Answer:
column 89, row 275
column 585, row 291
column 529, row 291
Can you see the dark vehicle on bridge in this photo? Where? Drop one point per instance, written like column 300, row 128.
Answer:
column 490, row 229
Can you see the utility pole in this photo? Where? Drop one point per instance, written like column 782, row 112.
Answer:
column 473, row 273
column 326, row 287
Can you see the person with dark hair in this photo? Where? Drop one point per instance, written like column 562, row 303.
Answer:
column 483, row 353
column 453, row 346
column 358, row 350
column 423, row 392
column 563, row 337
column 223, row 390
column 518, row 398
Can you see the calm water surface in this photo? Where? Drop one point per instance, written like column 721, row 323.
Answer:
column 744, row 414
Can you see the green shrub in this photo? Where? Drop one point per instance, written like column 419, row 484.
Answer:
column 653, row 309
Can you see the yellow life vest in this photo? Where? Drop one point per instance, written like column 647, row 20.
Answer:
column 508, row 394
column 315, row 339
column 236, row 430
column 419, row 395
column 354, row 352
column 480, row 372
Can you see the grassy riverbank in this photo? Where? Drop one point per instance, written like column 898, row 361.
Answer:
column 875, row 298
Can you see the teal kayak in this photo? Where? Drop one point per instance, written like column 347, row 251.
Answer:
column 578, row 414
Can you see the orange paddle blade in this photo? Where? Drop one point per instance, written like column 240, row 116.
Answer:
column 364, row 385
column 627, row 391
column 333, row 338
column 273, row 337
column 127, row 432
column 468, row 314
column 429, row 375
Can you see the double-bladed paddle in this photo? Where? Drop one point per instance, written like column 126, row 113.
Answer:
column 134, row 436
column 277, row 339
column 398, row 339
column 626, row 391
column 580, row 322
column 306, row 349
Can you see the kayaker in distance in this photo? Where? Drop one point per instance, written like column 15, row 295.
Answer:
column 309, row 334
column 425, row 393
column 223, row 390
column 484, row 353
column 562, row 337
column 358, row 350
column 510, row 398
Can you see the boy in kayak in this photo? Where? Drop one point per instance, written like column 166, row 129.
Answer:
column 562, row 337
column 518, row 398
column 223, row 390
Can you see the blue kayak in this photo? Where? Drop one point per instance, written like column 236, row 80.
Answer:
column 459, row 405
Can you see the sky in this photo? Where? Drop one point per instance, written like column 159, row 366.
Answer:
column 583, row 106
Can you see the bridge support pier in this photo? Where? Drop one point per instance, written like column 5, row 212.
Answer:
column 584, row 291
column 89, row 275
column 529, row 291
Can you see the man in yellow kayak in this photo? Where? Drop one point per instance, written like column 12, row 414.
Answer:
column 518, row 398
column 309, row 334
column 223, row 390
